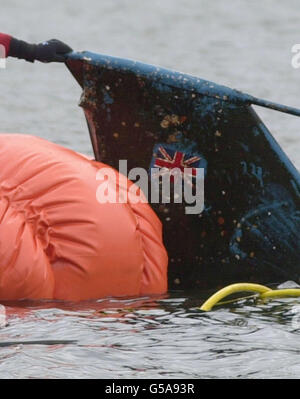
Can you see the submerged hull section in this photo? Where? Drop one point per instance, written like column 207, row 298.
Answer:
column 250, row 226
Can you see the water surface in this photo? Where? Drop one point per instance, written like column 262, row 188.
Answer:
column 165, row 337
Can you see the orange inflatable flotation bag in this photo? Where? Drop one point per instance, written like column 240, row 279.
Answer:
column 58, row 242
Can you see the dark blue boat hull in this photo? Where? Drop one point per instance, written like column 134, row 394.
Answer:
column 250, row 226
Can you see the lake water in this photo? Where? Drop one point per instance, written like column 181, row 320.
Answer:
column 243, row 44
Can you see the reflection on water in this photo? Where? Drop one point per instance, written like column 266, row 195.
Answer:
column 162, row 337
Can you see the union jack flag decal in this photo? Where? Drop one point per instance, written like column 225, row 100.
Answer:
column 167, row 157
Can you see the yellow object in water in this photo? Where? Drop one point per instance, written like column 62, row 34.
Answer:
column 263, row 291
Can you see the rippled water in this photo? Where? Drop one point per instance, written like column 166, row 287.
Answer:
column 242, row 44
column 150, row 338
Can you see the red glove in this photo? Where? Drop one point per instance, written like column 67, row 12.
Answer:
column 5, row 41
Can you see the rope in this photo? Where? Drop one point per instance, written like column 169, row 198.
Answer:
column 263, row 291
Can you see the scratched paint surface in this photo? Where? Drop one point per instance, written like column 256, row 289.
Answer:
column 250, row 225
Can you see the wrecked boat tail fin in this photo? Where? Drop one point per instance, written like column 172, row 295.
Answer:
column 152, row 116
